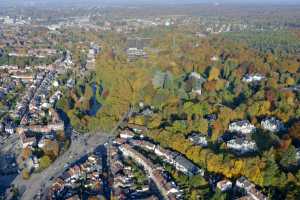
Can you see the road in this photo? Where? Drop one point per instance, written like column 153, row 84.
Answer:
column 10, row 144
column 80, row 146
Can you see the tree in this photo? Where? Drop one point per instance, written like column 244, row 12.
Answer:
column 200, row 125
column 51, row 149
column 213, row 74
column 290, row 81
column 25, row 174
column 26, row 153
column 45, row 162
column 218, row 195
column 294, row 131
column 271, row 172
column 288, row 158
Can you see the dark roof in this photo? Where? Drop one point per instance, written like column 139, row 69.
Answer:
column 187, row 164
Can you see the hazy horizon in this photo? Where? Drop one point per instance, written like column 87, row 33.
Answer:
column 138, row 2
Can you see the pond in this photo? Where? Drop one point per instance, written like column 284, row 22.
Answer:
column 64, row 117
column 95, row 106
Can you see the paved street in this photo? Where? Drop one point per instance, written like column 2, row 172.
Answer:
column 82, row 145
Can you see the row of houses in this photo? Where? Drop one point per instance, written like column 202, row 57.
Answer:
column 167, row 189
column 88, row 174
column 22, row 106
column 172, row 157
column 242, row 142
column 39, row 107
column 94, row 50
column 124, row 180
column 245, row 127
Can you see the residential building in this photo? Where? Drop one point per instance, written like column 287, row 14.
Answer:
column 198, row 139
column 250, row 78
column 195, row 82
column 224, row 185
column 272, row 124
column 250, row 189
column 127, row 134
column 241, row 145
column 243, row 127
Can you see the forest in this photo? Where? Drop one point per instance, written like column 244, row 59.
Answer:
column 161, row 81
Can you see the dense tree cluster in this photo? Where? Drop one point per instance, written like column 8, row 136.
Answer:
column 162, row 81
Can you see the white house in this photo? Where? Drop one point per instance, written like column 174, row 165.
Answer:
column 43, row 141
column 244, row 127
column 36, row 164
column 272, row 124
column 224, row 185
column 198, row 139
column 196, row 80
column 214, row 58
column 249, row 188
column 241, row 145
column 298, row 155
column 9, row 129
column 127, row 134
column 187, row 167
column 250, row 78
column 244, row 183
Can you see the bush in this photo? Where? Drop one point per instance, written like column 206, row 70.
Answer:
column 25, row 174
column 45, row 162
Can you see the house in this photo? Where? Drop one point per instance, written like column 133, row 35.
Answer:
column 241, row 145
column 143, row 144
column 198, row 139
column 36, row 164
column 250, row 78
column 27, row 141
column 187, row 167
column 70, row 83
column 195, row 82
column 58, row 185
column 75, row 197
column 224, row 185
column 134, row 53
column 137, row 128
column 43, row 141
column 9, row 129
column 243, row 127
column 298, row 155
column 214, row 58
column 211, row 117
column 147, row 111
column 272, row 124
column 161, row 152
column 249, row 188
column 127, row 134
column 244, row 183
column 72, row 175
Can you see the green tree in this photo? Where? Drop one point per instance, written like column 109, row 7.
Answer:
column 289, row 157
column 45, row 162
column 271, row 172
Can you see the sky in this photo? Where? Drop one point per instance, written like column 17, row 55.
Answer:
column 124, row 2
